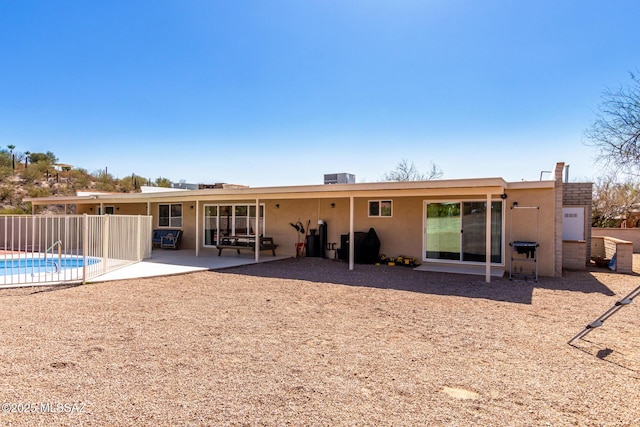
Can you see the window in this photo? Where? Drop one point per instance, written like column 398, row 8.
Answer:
column 108, row 210
column 380, row 208
column 231, row 220
column 170, row 215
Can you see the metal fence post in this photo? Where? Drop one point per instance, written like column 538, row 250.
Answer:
column 85, row 246
column 105, row 242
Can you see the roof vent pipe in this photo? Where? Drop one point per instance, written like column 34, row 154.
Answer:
column 566, row 173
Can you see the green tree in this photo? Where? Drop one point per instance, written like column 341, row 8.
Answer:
column 163, row 182
column 47, row 157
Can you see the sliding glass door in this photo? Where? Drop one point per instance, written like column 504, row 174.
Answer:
column 230, row 220
column 456, row 231
column 443, row 231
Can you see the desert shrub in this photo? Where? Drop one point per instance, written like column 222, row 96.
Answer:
column 6, row 193
column 31, row 174
column 5, row 171
column 14, row 210
column 34, row 191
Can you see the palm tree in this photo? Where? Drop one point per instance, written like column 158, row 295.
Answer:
column 13, row 159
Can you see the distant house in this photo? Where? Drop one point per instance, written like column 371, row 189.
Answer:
column 62, row 167
column 461, row 225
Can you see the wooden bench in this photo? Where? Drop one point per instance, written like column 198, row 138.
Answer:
column 246, row 243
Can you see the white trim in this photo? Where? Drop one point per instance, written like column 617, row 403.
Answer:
column 379, row 201
column 170, row 217
column 458, row 261
column 260, row 225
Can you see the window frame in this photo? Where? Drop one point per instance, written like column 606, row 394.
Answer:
column 171, row 219
column 380, row 208
column 108, row 210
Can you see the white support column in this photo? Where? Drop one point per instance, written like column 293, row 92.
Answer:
column 198, row 237
column 488, row 241
column 257, row 231
column 351, row 235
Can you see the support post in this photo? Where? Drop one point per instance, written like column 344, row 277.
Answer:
column 198, row 236
column 487, row 274
column 257, row 232
column 139, row 238
column 105, row 242
column 352, row 250
column 85, row 246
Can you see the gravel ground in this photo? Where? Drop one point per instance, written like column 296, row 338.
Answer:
column 307, row 342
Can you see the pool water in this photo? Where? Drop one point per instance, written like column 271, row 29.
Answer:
column 41, row 265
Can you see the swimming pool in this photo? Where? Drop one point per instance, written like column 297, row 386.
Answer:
column 11, row 266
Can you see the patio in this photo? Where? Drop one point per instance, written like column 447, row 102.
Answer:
column 169, row 262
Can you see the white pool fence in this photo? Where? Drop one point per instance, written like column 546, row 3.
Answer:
column 46, row 249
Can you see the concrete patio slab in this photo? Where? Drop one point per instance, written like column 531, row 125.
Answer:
column 168, row 262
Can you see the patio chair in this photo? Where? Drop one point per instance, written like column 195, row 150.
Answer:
column 171, row 240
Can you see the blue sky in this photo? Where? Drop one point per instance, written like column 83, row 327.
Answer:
column 281, row 92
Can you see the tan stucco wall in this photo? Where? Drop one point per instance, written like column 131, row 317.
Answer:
column 524, row 227
column 393, row 232
column 401, row 234
column 121, row 209
column 306, row 211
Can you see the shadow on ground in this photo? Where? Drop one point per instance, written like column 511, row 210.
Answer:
column 406, row 279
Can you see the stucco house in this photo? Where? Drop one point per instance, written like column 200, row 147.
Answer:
column 461, row 225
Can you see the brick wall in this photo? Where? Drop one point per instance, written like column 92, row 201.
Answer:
column 559, row 196
column 629, row 234
column 580, row 194
column 606, row 247
column 574, row 255
column 577, row 193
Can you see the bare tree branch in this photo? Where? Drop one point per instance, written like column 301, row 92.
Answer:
column 408, row 172
column 616, row 131
column 614, row 200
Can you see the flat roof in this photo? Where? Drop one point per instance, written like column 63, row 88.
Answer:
column 450, row 187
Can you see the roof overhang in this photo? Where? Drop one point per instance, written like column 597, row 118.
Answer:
column 436, row 188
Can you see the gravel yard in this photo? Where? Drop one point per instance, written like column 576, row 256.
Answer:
column 307, row 342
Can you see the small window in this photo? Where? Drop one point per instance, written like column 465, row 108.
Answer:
column 108, row 210
column 380, row 208
column 170, row 215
